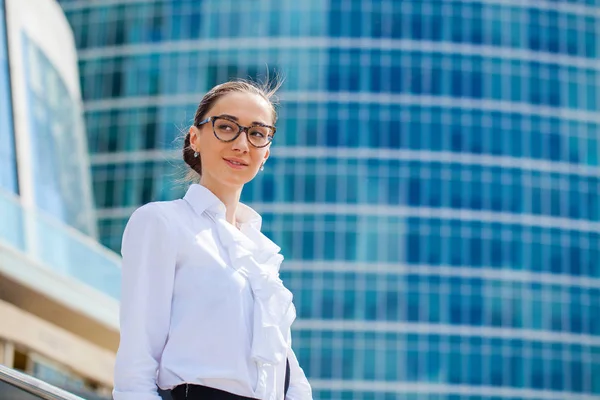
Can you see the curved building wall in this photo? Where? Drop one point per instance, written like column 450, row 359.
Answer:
column 54, row 174
column 433, row 183
column 58, row 286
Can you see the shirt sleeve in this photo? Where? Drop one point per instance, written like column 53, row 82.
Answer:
column 299, row 387
column 148, row 272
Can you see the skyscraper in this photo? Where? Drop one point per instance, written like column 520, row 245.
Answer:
column 433, row 183
column 58, row 286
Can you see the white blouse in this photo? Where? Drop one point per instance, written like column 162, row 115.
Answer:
column 202, row 303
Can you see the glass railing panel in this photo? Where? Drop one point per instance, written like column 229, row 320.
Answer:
column 11, row 221
column 58, row 246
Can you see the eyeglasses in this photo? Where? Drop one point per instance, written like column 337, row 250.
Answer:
column 227, row 130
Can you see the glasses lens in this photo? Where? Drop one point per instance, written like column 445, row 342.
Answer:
column 225, row 129
column 260, row 135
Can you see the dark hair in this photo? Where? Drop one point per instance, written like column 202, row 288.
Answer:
column 266, row 91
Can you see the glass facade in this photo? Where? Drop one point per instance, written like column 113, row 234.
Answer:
column 57, row 131
column 8, row 164
column 433, row 184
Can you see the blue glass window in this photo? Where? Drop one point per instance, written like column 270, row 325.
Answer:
column 8, row 165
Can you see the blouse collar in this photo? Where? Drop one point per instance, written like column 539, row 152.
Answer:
column 201, row 199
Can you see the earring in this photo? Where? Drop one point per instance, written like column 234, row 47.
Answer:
column 262, row 166
column 195, row 154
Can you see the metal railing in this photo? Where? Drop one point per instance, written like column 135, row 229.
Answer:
column 17, row 382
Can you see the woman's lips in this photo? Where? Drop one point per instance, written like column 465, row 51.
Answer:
column 235, row 164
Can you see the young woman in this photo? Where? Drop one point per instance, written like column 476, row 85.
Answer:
column 203, row 311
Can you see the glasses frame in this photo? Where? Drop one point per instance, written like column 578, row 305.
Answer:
column 241, row 128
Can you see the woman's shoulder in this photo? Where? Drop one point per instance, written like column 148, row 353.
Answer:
column 157, row 212
column 151, row 225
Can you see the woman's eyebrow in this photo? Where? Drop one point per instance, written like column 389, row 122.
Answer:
column 236, row 119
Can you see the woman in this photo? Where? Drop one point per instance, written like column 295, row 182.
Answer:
column 203, row 311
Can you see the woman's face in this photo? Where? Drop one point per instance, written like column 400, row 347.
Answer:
column 232, row 163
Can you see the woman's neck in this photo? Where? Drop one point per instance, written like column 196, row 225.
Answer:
column 229, row 196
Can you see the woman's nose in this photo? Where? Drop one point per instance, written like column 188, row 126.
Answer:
column 241, row 142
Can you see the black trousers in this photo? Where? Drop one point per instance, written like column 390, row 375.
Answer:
column 197, row 392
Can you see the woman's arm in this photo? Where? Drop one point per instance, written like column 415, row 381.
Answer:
column 299, row 387
column 149, row 254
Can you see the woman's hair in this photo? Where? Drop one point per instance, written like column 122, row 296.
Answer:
column 266, row 91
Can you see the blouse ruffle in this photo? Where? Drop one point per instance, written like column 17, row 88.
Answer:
column 258, row 259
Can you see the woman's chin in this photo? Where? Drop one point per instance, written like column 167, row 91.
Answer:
column 237, row 180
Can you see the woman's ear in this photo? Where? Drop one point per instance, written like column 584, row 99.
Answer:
column 194, row 132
